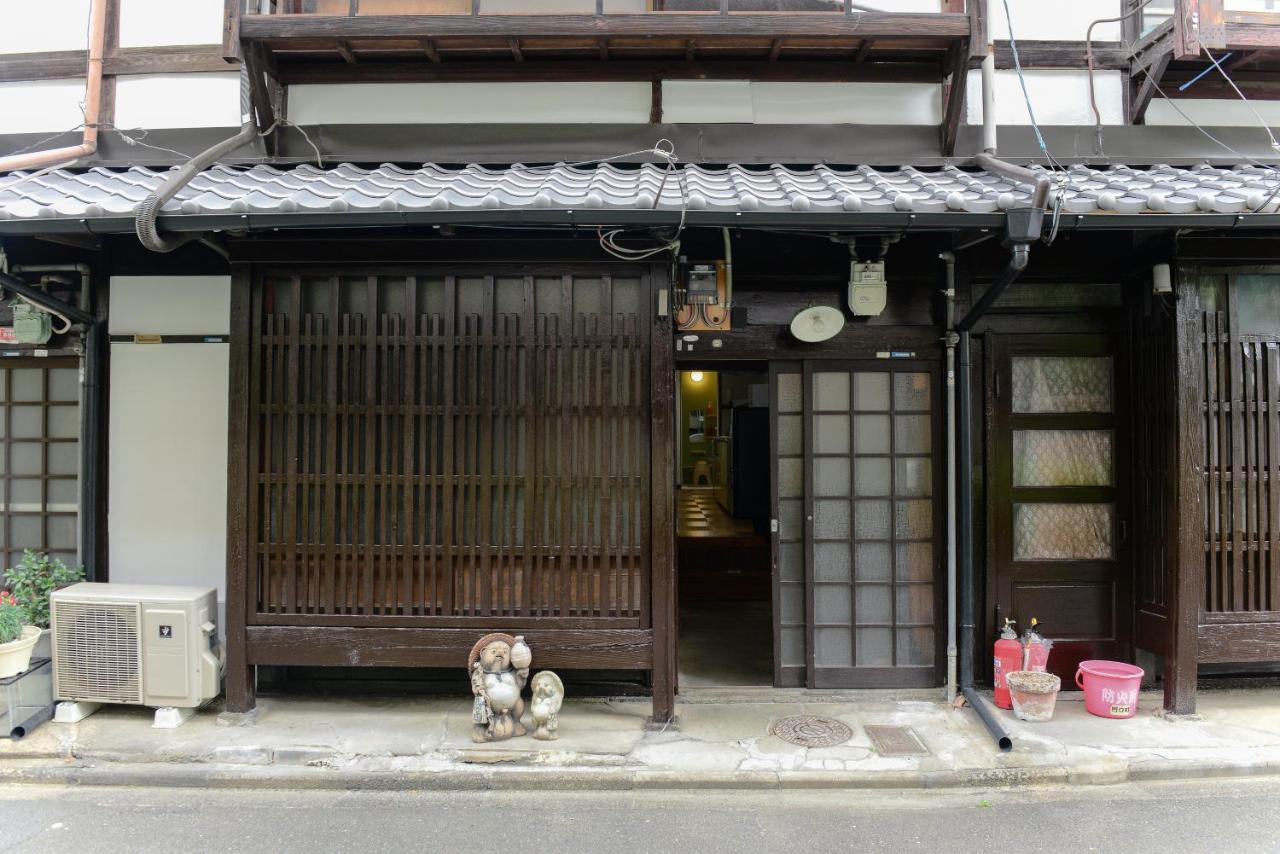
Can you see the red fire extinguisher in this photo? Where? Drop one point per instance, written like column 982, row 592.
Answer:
column 1008, row 660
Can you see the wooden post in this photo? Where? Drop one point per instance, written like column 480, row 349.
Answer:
column 241, row 688
column 1180, row 664
column 662, row 502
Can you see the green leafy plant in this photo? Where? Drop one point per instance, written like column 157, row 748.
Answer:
column 12, row 618
column 34, row 579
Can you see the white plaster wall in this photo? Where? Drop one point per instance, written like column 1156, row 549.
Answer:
column 747, row 102
column 168, row 439
column 1214, row 111
column 158, row 22
column 446, row 103
column 42, row 106
column 178, row 100
column 33, row 27
column 710, row 101
column 1048, row 20
column 1059, row 97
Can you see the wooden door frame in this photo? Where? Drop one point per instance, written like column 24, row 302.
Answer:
column 998, row 349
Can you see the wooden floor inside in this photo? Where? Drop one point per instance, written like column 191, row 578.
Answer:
column 699, row 514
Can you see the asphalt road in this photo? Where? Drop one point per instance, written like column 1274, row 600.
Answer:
column 1236, row 816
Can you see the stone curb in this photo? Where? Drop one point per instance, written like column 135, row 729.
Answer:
column 614, row 779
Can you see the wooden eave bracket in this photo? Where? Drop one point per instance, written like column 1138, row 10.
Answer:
column 1151, row 56
column 953, row 91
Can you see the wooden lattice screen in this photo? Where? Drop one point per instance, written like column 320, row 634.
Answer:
column 442, row 448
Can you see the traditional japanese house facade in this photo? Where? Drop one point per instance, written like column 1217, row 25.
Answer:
column 483, row 321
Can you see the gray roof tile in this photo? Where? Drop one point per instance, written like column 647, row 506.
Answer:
column 222, row 189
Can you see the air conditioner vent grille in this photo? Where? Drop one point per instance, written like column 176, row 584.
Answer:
column 97, row 653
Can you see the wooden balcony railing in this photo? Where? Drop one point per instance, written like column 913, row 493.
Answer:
column 558, row 7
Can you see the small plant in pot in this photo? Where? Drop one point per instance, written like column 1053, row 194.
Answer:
column 32, row 582
column 17, row 637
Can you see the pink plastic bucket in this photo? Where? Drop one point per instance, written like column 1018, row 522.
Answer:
column 1110, row 688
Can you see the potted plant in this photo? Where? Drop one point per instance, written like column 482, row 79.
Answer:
column 32, row 581
column 17, row 638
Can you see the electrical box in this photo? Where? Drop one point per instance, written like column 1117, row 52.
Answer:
column 30, row 324
column 703, row 285
column 868, row 290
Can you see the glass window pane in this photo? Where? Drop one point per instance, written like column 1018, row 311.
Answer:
column 871, row 520
column 62, row 532
column 1062, row 531
column 63, row 495
column 831, row 434
column 793, row 647
column 875, row 647
column 911, row 392
column 831, row 391
column 64, row 422
column 871, row 391
column 833, row 647
column 789, row 519
column 913, row 476
column 911, row 434
column 791, row 603
column 831, row 561
column 28, row 384
column 27, row 422
column 831, row 519
column 831, row 604
column 871, row 434
column 914, row 561
column 64, row 458
column 789, row 397
column 1062, row 458
column 790, row 434
column 64, row 384
column 916, row 647
column 26, row 457
column 872, row 562
column 831, row 475
column 1062, row 383
column 790, row 477
column 26, row 532
column 26, row 495
column 913, row 520
column 915, row 603
column 1258, row 304
column 871, row 476
column 874, row 604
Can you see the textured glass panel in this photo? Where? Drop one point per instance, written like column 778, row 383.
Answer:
column 871, row 476
column 28, row 422
column 790, row 477
column 831, row 520
column 871, row 434
column 64, row 384
column 831, row 603
column 911, row 392
column 789, row 519
column 874, row 604
column 831, row 561
column 871, row 520
column 64, row 458
column 831, row 475
column 831, row 391
column 63, row 495
column 915, row 603
column 791, row 561
column 913, row 476
column 875, row 647
column 1062, row 531
column 28, row 384
column 1061, row 383
column 872, row 562
column 913, row 520
column 831, row 434
column 4, row 384
column 25, row 531
column 1258, row 303
column 26, row 458
column 62, row 532
column 1061, row 457
column 64, row 422
column 912, row 434
column 793, row 647
column 26, row 495
column 914, row 561
column 871, row 391
column 790, row 398
column 790, row 434
column 833, row 647
column 791, row 604
column 916, row 646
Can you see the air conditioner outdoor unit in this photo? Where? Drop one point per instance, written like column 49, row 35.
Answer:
column 136, row 644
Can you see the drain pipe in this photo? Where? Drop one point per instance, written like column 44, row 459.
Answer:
column 149, row 208
column 949, row 340
column 92, row 392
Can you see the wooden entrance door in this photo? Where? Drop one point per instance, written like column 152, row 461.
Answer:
column 858, row 509
column 1059, row 509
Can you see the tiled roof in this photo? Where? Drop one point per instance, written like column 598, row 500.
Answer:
column 102, row 192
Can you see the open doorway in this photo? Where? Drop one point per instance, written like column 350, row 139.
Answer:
column 722, row 528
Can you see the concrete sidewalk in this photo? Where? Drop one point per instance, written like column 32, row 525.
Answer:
column 723, row 741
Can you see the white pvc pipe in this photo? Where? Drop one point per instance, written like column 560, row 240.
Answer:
column 989, row 101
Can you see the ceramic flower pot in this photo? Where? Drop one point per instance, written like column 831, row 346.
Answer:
column 15, row 656
column 44, row 646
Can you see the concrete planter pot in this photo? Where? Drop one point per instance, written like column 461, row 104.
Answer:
column 15, row 656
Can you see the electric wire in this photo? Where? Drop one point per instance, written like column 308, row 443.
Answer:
column 1275, row 146
column 1088, row 55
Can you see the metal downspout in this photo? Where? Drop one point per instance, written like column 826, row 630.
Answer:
column 949, row 341
column 92, row 391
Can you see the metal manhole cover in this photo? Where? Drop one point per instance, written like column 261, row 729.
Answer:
column 811, row 731
column 895, row 741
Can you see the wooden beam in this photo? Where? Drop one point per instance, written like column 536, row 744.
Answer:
column 344, row 50
column 1211, row 28
column 174, row 59
column 655, row 102
column 978, row 39
column 616, row 70
column 1145, row 83
column 1062, row 54
column 429, row 48
column 261, row 82
column 1245, row 35
column 231, row 50
column 516, row 54
column 775, row 49
column 953, row 93
column 240, row 681
column 1230, row 643
column 1186, row 40
column 645, row 26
